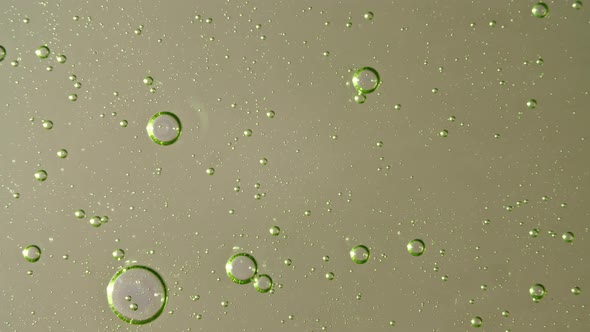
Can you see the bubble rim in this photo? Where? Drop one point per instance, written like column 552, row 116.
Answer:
column 2, row 53
column 150, row 128
column 38, row 51
column 355, row 80
column 25, row 251
column 535, row 296
column 360, row 261
column 232, row 277
column 415, row 254
column 262, row 290
column 124, row 318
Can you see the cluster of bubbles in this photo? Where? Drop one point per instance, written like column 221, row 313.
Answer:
column 242, row 269
column 138, row 295
column 95, row 221
column 365, row 80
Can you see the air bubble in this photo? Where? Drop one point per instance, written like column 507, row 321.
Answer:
column 360, row 98
column 148, row 80
column 118, row 254
column 95, row 221
column 263, row 283
column 568, row 237
column 164, row 128
column 531, row 103
column 80, row 214
column 537, row 291
column 41, row 175
column 47, row 124
column 274, row 230
column 476, row 321
column 360, row 254
column 540, row 10
column 577, row 5
column 366, row 80
column 42, row 52
column 416, row 247
column 145, row 287
column 241, row 268
column 32, row 253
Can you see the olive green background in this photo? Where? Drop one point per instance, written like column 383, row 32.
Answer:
column 221, row 78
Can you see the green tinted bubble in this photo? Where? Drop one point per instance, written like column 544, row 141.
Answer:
column 41, row 175
column 145, row 287
column 531, row 103
column 360, row 254
column 42, row 52
column 275, row 230
column 360, row 98
column 148, row 80
column 241, row 268
column 366, row 80
column 537, row 291
column 263, row 283
column 80, row 214
column 568, row 237
column 576, row 5
column 164, row 128
column 540, row 10
column 416, row 247
column 95, row 221
column 118, row 254
column 32, row 253
column 62, row 153
column 47, row 124
column 476, row 321
column 330, row 276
